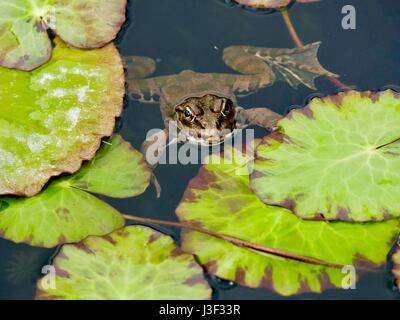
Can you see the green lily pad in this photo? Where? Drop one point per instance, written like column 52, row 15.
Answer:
column 270, row 4
column 63, row 212
column 219, row 198
column 24, row 41
column 53, row 118
column 134, row 263
column 117, row 171
column 396, row 265
column 337, row 158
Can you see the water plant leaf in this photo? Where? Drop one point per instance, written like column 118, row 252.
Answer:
column 270, row 4
column 396, row 265
column 117, row 171
column 24, row 41
column 219, row 198
column 64, row 213
column 337, row 158
column 55, row 116
column 133, row 263
column 295, row 66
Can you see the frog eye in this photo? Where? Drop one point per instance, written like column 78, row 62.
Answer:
column 226, row 107
column 188, row 114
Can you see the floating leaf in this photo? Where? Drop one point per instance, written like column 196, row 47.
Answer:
column 337, row 158
column 396, row 265
column 134, row 263
column 54, row 117
column 220, row 199
column 295, row 66
column 24, row 42
column 270, row 4
column 104, row 175
column 63, row 212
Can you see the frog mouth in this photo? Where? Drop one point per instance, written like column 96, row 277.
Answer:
column 209, row 140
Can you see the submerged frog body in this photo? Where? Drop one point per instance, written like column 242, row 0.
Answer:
column 203, row 106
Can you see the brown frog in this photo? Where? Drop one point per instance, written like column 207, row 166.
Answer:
column 202, row 107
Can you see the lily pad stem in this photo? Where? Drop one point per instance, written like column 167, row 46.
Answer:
column 299, row 44
column 236, row 241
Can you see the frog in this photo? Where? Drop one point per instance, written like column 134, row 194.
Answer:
column 203, row 107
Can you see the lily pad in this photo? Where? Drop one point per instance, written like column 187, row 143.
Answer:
column 63, row 212
column 270, row 4
column 118, row 171
column 220, row 199
column 337, row 158
column 134, row 263
column 53, row 118
column 24, row 41
column 396, row 265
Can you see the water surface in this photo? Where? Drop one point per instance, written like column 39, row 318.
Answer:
column 191, row 34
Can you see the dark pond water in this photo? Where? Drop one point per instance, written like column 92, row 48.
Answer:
column 191, row 34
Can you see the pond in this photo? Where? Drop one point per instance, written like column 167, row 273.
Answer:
column 192, row 34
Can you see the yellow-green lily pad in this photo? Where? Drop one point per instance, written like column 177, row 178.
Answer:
column 133, row 263
column 338, row 158
column 24, row 41
column 53, row 118
column 64, row 212
column 219, row 198
column 396, row 265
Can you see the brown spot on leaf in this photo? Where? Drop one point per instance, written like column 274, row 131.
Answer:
column 82, row 247
column 196, row 279
column 266, row 281
column 387, row 215
column 336, row 99
column 304, row 287
column 343, row 214
column 240, row 276
column 325, row 281
column 257, row 174
column 154, row 236
column 176, row 252
column 110, row 239
column 363, row 263
column 200, row 182
column 307, row 112
column 319, row 217
column 211, row 267
column 63, row 213
column 289, row 204
column 276, row 135
column 40, row 26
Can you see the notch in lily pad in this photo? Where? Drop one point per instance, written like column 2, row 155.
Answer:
column 24, row 26
column 338, row 158
column 65, row 211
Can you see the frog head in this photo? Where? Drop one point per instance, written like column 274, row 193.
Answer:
column 202, row 106
column 207, row 119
